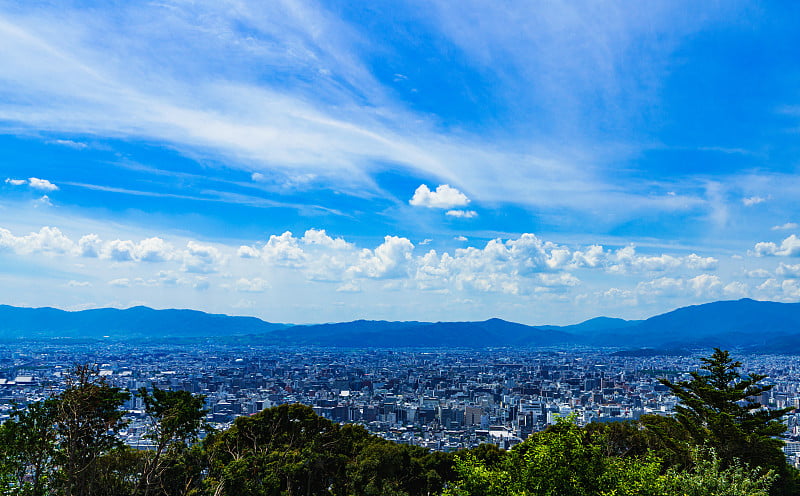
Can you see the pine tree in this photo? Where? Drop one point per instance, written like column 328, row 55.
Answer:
column 718, row 409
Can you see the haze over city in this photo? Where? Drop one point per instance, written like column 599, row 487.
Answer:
column 323, row 161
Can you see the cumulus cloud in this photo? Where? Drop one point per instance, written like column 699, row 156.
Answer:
column 391, row 259
column 526, row 266
column 758, row 273
column 785, row 227
column 248, row 252
column 41, row 184
column 705, row 285
column 47, row 240
column 201, row 258
column 736, row 289
column 284, row 250
column 153, row 250
column 33, row 182
column 789, row 247
column 90, row 245
column 702, row 286
column 788, row 270
column 321, row 238
column 444, row 197
column 626, row 260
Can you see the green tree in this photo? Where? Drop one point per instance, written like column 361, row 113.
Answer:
column 87, row 420
column 718, row 408
column 564, row 460
column 27, row 447
column 567, row 460
column 707, row 477
column 176, row 418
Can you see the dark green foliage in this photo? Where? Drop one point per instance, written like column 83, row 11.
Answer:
column 566, row 460
column 718, row 410
column 87, row 420
column 290, row 450
column 176, row 418
column 27, row 448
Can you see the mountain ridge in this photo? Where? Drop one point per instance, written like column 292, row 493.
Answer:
column 762, row 326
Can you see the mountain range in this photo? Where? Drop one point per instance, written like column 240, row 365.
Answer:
column 759, row 326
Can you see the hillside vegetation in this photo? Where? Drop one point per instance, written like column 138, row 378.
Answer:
column 716, row 444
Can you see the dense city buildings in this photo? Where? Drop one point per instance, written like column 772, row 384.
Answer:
column 443, row 400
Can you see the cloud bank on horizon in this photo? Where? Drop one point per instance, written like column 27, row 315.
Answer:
column 538, row 163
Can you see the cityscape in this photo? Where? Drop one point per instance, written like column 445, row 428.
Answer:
column 444, row 400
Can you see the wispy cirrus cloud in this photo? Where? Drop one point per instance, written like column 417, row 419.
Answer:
column 288, row 86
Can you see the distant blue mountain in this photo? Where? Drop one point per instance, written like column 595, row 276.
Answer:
column 131, row 323
column 759, row 326
column 595, row 325
column 488, row 333
column 740, row 323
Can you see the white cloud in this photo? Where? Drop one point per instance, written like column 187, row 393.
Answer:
column 391, row 259
column 663, row 286
column 705, row 286
column 526, row 267
column 41, row 184
column 297, row 93
column 758, row 273
column 321, row 238
column 753, row 200
column 47, row 240
column 248, row 252
column 736, row 289
column 444, row 197
column 201, row 259
column 788, row 270
column 33, row 182
column 284, row 250
column 90, row 245
column 44, row 201
column 77, row 145
column 785, row 227
column 461, row 238
column 154, row 250
column 119, row 250
column 765, row 248
column 789, row 247
column 462, row 214
column 625, row 260
column 696, row 262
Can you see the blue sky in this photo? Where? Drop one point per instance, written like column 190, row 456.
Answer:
column 326, row 161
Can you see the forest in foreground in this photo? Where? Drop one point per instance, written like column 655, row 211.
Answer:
column 719, row 442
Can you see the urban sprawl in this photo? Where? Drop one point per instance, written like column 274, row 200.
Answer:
column 442, row 400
